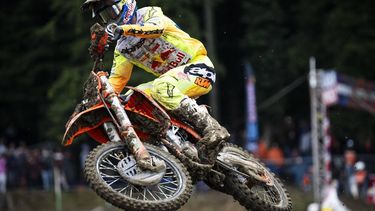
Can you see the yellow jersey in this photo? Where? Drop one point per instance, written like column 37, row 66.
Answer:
column 154, row 43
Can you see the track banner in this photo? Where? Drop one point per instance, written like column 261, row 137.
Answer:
column 343, row 90
column 356, row 93
column 252, row 134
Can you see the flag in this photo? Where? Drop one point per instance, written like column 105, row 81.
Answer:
column 329, row 87
column 251, row 110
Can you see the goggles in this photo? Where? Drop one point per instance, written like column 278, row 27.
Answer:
column 118, row 12
column 109, row 14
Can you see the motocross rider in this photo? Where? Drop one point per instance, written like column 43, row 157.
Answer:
column 150, row 40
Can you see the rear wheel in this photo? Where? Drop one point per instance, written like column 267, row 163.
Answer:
column 252, row 193
column 170, row 193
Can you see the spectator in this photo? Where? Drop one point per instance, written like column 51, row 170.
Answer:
column 59, row 174
column 33, row 169
column 12, row 174
column 68, row 168
column 3, row 148
column 85, row 150
column 297, row 168
column 350, row 157
column 361, row 180
column 20, row 168
column 304, row 140
column 275, row 158
column 261, row 152
column 331, row 200
column 3, row 173
column 369, row 146
column 308, row 179
column 371, row 192
column 46, row 161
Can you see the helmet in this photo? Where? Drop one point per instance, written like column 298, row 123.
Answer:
column 111, row 11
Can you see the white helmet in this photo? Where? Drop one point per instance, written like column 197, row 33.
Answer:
column 111, row 11
column 360, row 165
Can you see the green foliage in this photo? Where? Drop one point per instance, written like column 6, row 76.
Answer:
column 181, row 11
column 26, row 64
column 71, row 35
column 265, row 34
column 281, row 36
column 44, row 59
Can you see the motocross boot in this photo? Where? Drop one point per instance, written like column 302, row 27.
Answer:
column 213, row 133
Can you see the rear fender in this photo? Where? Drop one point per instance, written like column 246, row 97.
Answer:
column 144, row 105
column 188, row 129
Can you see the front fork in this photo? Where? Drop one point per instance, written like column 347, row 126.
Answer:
column 121, row 119
column 111, row 131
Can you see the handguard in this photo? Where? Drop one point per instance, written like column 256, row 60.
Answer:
column 99, row 42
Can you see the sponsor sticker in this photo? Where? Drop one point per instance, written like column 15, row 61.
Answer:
column 203, row 82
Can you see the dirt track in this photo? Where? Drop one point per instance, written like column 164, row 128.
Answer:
column 84, row 199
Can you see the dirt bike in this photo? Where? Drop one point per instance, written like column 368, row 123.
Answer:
column 135, row 125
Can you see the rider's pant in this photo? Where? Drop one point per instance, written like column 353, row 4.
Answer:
column 191, row 80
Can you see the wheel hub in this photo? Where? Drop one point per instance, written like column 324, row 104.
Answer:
column 129, row 170
column 251, row 169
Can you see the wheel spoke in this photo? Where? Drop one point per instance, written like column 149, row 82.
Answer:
column 107, row 161
column 123, row 189
column 162, row 192
column 144, row 194
column 169, row 182
column 109, row 176
column 114, row 181
column 131, row 191
column 170, row 189
column 103, row 167
column 116, row 156
column 151, row 194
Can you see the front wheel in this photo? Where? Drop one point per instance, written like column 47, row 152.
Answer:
column 173, row 190
column 249, row 192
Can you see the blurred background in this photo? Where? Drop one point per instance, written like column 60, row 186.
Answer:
column 261, row 50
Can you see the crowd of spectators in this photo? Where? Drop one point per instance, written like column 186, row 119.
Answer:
column 286, row 151
column 289, row 154
column 30, row 168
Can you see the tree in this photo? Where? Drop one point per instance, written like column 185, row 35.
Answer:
column 280, row 36
column 26, row 65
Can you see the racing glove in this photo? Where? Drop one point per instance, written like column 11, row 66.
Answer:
column 114, row 31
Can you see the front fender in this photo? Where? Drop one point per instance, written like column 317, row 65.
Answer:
column 87, row 121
